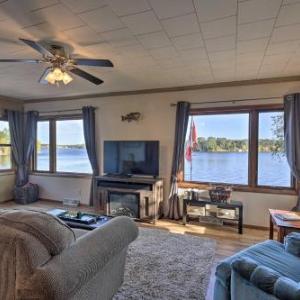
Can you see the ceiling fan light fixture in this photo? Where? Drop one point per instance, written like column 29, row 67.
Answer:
column 57, row 75
column 50, row 78
column 66, row 78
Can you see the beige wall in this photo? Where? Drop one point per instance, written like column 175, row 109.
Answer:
column 7, row 179
column 158, row 122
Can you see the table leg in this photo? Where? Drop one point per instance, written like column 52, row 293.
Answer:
column 241, row 220
column 281, row 234
column 184, row 214
column 271, row 232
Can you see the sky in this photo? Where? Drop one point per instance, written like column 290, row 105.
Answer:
column 232, row 126
column 68, row 132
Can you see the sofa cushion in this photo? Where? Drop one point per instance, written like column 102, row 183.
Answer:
column 266, row 279
column 292, row 243
column 270, row 254
column 50, row 231
column 287, row 289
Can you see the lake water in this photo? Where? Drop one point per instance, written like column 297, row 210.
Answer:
column 68, row 160
column 232, row 168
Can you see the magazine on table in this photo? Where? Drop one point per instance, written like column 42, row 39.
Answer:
column 288, row 216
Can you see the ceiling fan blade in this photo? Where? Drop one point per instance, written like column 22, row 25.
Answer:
column 31, row 61
column 36, row 46
column 93, row 62
column 86, row 76
column 45, row 73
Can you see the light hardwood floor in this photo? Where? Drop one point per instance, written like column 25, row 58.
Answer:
column 227, row 238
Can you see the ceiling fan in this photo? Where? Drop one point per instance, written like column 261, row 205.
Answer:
column 61, row 64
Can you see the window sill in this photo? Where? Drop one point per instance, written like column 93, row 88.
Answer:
column 241, row 188
column 66, row 175
column 7, row 172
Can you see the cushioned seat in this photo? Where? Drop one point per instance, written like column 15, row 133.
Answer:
column 42, row 259
column 269, row 254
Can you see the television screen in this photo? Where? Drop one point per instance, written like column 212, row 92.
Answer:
column 131, row 157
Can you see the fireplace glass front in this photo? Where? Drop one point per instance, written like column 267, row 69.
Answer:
column 123, row 204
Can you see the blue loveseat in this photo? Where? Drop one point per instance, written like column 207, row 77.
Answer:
column 266, row 271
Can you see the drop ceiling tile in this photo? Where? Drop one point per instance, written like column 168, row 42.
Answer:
column 79, row 6
column 102, row 19
column 222, row 55
column 44, row 31
column 133, row 51
column 164, row 52
column 26, row 5
column 277, row 59
column 215, row 9
column 219, row 28
column 288, row 15
column 59, row 17
column 22, row 18
column 255, row 30
column 181, row 25
column 171, row 8
column 104, row 49
column 142, row 23
column 154, row 40
column 83, row 35
column 285, row 47
column 122, row 8
column 252, row 45
column 250, row 59
column 220, row 44
column 226, row 64
column 290, row 1
column 286, row 33
column 119, row 37
column 256, row 10
column 193, row 54
column 188, row 41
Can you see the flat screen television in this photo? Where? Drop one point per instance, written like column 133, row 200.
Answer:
column 131, row 158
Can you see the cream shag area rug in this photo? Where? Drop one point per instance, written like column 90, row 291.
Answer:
column 163, row 265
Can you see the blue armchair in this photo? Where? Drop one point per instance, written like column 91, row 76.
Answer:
column 266, row 271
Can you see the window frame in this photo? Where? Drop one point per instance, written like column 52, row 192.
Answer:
column 11, row 155
column 252, row 185
column 52, row 147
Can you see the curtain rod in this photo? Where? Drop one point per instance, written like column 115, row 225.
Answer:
column 62, row 110
column 232, row 101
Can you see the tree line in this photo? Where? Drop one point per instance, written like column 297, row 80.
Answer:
column 221, row 144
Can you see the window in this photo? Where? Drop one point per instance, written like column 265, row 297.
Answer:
column 43, row 146
column 71, row 155
column 60, row 146
column 5, row 147
column 221, row 151
column 273, row 169
column 242, row 147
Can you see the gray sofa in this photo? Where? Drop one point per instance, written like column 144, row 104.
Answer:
column 266, row 271
column 42, row 258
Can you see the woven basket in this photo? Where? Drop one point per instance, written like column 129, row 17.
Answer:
column 220, row 194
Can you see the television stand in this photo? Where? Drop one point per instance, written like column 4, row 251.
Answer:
column 136, row 197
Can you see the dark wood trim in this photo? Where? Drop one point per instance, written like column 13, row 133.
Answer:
column 170, row 89
column 252, row 187
column 52, row 148
column 235, row 109
column 253, row 148
column 239, row 188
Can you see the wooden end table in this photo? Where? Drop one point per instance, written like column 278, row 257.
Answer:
column 284, row 227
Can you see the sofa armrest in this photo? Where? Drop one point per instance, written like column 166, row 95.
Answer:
column 292, row 243
column 266, row 279
column 67, row 272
